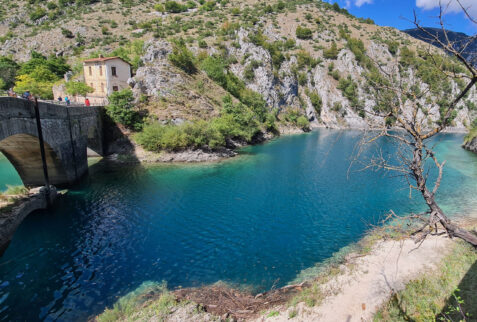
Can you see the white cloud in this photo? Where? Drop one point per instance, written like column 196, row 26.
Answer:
column 453, row 5
column 359, row 3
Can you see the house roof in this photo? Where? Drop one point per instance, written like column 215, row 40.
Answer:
column 102, row 59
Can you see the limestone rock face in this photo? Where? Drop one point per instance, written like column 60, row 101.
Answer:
column 281, row 89
column 155, row 78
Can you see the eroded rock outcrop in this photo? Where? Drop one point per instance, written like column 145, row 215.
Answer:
column 471, row 145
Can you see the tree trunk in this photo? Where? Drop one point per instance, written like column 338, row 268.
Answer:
column 452, row 230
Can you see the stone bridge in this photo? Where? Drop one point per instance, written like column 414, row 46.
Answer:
column 67, row 133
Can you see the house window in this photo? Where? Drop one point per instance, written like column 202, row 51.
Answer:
column 113, row 71
column 90, row 71
column 100, row 71
column 115, row 88
column 102, row 87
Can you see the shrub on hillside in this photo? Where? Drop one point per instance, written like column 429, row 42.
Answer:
column 393, row 47
column 37, row 13
column 350, row 90
column 304, row 59
column 315, row 101
column 174, row 7
column 303, row 123
column 182, row 57
column 303, row 33
column 357, row 47
column 332, row 52
column 214, row 67
column 295, row 117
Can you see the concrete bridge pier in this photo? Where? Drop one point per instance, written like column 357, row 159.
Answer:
column 67, row 133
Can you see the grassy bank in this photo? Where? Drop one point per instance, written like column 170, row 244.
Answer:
column 445, row 294
column 139, row 305
column 9, row 198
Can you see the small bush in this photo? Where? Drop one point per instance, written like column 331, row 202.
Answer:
column 350, row 90
column 304, row 59
column 303, row 123
column 174, row 7
column 332, row 52
column 393, row 47
column 315, row 101
column 303, row 33
column 67, row 33
column 159, row 7
column 182, row 57
column 37, row 13
column 203, row 44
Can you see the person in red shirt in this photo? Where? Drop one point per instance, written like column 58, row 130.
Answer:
column 86, row 102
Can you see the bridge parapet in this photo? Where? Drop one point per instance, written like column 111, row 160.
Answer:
column 67, row 132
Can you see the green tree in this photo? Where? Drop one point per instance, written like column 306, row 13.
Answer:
column 78, row 88
column 121, row 109
column 56, row 65
column 38, row 88
column 8, row 71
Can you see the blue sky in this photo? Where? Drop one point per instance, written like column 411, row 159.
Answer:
column 395, row 12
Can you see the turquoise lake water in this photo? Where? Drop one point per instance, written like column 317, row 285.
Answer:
column 256, row 221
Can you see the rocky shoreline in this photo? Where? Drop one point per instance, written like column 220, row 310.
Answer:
column 13, row 214
column 131, row 152
column 471, row 145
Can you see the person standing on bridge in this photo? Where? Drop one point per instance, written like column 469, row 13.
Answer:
column 67, row 100
column 86, row 102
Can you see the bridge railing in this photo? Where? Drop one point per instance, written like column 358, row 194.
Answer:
column 63, row 103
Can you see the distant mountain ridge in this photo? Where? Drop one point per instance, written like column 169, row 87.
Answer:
column 459, row 38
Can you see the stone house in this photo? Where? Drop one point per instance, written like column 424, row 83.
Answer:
column 105, row 75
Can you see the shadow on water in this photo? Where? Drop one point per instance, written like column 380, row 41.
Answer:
column 468, row 294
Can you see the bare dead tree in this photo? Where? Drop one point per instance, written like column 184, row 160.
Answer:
column 403, row 98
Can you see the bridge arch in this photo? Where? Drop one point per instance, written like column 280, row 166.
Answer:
column 67, row 132
column 23, row 152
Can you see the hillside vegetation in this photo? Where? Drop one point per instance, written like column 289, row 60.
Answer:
column 246, row 68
